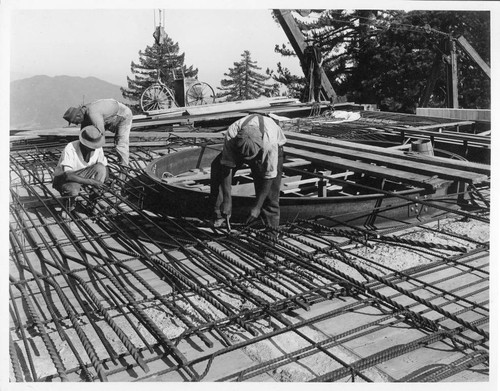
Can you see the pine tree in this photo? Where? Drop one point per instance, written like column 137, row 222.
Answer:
column 386, row 57
column 295, row 84
column 163, row 56
column 244, row 82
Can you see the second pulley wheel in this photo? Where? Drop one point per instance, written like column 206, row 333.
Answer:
column 200, row 93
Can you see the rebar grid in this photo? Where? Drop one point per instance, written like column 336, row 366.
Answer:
column 134, row 294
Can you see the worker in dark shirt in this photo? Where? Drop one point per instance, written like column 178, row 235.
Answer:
column 258, row 141
column 106, row 114
column 314, row 61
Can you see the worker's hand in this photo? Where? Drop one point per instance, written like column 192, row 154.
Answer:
column 254, row 215
column 96, row 183
column 226, row 207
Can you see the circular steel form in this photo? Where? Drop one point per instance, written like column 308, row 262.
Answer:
column 193, row 201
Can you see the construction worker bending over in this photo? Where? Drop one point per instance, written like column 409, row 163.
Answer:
column 258, row 141
column 81, row 163
column 106, row 114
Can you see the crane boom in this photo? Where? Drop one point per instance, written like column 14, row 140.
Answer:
column 299, row 45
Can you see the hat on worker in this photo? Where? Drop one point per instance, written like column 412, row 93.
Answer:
column 249, row 142
column 92, row 137
column 73, row 115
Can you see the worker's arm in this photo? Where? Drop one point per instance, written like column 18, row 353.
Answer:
column 227, row 203
column 96, row 118
column 259, row 200
column 71, row 176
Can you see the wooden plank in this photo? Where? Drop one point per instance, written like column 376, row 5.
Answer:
column 329, row 161
column 342, row 175
column 242, row 189
column 199, row 135
column 238, row 105
column 399, row 163
column 204, row 173
column 172, row 111
column 445, row 125
column 442, row 162
column 74, row 131
column 455, row 136
column 462, row 114
column 283, row 108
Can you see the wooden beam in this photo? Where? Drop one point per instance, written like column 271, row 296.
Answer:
column 204, row 174
column 216, row 135
column 399, row 162
column 445, row 125
column 355, row 147
column 334, row 162
column 472, row 139
column 464, row 44
column 298, row 42
column 451, row 74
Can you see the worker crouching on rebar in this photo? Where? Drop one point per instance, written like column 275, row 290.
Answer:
column 257, row 141
column 82, row 162
column 106, row 114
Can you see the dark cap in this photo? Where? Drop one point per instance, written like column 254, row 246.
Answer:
column 249, row 142
column 74, row 115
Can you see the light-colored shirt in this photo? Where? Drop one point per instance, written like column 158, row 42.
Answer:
column 272, row 138
column 72, row 159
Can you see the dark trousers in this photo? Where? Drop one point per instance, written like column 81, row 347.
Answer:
column 270, row 208
column 216, row 179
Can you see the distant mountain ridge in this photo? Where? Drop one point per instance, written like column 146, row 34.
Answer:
column 39, row 102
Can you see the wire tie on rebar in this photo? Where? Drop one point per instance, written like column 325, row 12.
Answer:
column 205, row 372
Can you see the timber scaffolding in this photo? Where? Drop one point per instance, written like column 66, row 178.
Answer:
column 121, row 293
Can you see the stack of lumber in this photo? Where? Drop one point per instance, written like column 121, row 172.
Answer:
column 415, row 169
column 442, row 132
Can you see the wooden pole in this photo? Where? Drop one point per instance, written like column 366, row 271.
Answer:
column 452, row 75
column 299, row 44
column 467, row 47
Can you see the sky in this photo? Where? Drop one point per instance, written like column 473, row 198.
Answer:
column 101, row 38
column 103, row 42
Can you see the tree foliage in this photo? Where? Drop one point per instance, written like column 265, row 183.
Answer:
column 245, row 82
column 387, row 57
column 164, row 57
column 294, row 84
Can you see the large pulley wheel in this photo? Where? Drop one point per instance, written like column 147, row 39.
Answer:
column 200, row 94
column 157, row 97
